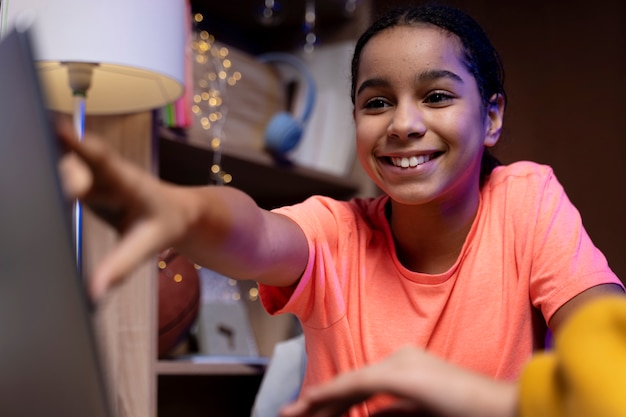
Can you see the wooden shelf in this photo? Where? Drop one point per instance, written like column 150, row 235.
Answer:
column 270, row 183
column 221, row 366
column 165, row 367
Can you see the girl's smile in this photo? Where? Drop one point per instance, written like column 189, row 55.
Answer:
column 413, row 161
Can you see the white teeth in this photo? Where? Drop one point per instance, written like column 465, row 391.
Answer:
column 410, row 162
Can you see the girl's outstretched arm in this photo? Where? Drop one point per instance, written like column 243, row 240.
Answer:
column 218, row 227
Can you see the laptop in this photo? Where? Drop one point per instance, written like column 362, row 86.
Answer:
column 49, row 360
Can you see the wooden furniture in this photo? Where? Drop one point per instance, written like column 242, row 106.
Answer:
column 125, row 320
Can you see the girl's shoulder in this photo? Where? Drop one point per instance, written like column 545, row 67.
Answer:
column 521, row 169
column 524, row 184
column 524, row 174
column 355, row 210
column 355, row 204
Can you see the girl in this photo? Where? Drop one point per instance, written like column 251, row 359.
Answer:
column 461, row 257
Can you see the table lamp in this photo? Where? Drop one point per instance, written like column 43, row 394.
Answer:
column 105, row 56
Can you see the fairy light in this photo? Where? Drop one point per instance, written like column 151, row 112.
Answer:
column 350, row 7
column 269, row 14
column 164, row 266
column 215, row 74
column 253, row 294
column 310, row 39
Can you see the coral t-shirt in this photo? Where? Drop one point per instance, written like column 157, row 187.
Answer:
column 526, row 254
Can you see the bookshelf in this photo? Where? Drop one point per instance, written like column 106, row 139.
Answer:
column 269, row 182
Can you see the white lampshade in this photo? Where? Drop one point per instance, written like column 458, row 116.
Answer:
column 138, row 47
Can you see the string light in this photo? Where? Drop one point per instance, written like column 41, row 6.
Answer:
column 163, row 266
column 310, row 39
column 350, row 7
column 253, row 294
column 269, row 14
column 213, row 74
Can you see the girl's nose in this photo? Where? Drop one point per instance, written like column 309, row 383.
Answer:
column 407, row 121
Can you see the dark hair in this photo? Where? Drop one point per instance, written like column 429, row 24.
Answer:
column 480, row 57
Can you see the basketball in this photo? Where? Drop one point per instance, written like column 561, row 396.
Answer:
column 179, row 300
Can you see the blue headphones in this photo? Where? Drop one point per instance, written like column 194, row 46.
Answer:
column 284, row 130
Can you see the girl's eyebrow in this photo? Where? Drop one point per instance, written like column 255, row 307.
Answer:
column 424, row 76
column 434, row 74
column 372, row 82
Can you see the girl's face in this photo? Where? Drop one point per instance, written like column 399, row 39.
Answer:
column 421, row 126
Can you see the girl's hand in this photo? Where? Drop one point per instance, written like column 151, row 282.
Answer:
column 419, row 383
column 145, row 211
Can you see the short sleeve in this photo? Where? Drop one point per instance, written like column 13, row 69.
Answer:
column 327, row 225
column 565, row 261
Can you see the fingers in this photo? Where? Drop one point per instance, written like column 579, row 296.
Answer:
column 137, row 245
column 114, row 190
column 350, row 389
column 91, row 150
column 332, row 399
column 65, row 132
column 121, row 194
column 76, row 178
column 76, row 166
column 150, row 223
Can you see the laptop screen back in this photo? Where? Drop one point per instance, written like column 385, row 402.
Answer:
column 49, row 364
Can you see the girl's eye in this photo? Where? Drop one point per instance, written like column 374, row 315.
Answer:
column 438, row 97
column 375, row 103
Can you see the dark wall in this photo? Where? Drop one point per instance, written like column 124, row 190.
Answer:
column 565, row 64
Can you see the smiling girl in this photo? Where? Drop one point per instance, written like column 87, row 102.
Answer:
column 466, row 259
